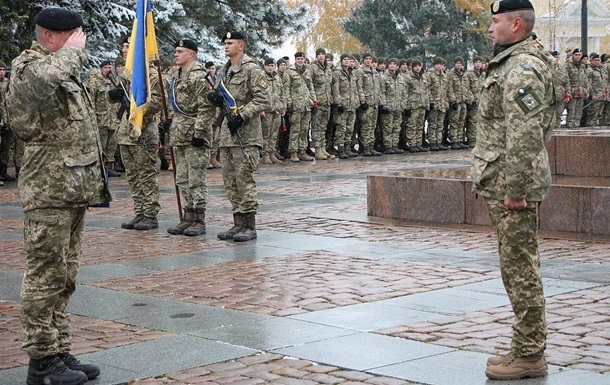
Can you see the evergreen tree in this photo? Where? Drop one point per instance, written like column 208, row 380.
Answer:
column 408, row 28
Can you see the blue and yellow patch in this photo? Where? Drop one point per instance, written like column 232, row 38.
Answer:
column 528, row 71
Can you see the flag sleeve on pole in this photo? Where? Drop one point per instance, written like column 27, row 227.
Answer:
column 142, row 50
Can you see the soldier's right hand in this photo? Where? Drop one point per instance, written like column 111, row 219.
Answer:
column 431, row 106
column 453, row 106
column 406, row 113
column 384, row 110
column 214, row 98
column 340, row 108
column 77, row 39
column 116, row 94
column 197, row 142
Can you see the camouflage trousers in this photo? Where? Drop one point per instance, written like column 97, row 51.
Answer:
column 215, row 137
column 457, row 122
column 472, row 117
column 345, row 127
column 415, row 126
column 6, row 140
column 369, row 122
column 391, row 128
column 595, row 113
column 271, row 129
column 52, row 239
column 299, row 130
column 191, row 165
column 109, row 144
column 318, row 129
column 436, row 119
column 520, row 269
column 238, row 177
column 574, row 112
column 141, row 172
column 560, row 107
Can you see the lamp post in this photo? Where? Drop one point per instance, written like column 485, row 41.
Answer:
column 584, row 27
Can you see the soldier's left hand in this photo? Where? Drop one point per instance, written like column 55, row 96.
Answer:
column 197, row 142
column 364, row 106
column 514, row 204
column 235, row 123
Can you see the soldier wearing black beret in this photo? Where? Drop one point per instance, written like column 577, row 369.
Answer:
column 189, row 44
column 58, row 19
column 503, row 6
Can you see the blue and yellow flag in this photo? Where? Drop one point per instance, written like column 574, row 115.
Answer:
column 142, row 50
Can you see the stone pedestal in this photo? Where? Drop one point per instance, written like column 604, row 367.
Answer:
column 579, row 200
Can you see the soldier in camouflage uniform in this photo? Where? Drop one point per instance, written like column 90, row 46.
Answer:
column 475, row 77
column 214, row 156
column 440, row 93
column 300, row 98
column 249, row 86
column 577, row 90
column 418, row 101
column 462, row 95
column 139, row 154
column 373, row 98
column 360, row 99
column 344, row 91
column 62, row 175
column 271, row 118
column 106, row 114
column 394, row 92
column 191, row 135
column 561, row 83
column 321, row 79
column 511, row 171
column 6, row 135
column 598, row 91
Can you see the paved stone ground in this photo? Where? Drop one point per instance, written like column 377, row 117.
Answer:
column 325, row 295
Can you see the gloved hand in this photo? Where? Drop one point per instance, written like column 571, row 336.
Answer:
column 340, row 108
column 197, row 142
column 431, row 106
column 406, row 113
column 214, row 98
column 235, row 123
column 364, row 106
column 384, row 110
column 164, row 125
column 116, row 94
column 473, row 104
column 453, row 106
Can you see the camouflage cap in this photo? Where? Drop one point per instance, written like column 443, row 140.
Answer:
column 381, row 60
column 393, row 60
column 458, row 59
column 281, row 61
column 269, row 60
column 320, row 51
column 367, row 54
column 503, row 6
column 58, row 19
column 416, row 62
column 299, row 54
column 439, row 60
column 329, row 56
column 402, row 61
column 2, row 64
column 345, row 55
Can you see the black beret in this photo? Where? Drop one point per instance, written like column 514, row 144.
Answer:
column 366, row 54
column 584, row 55
column 126, row 40
column 209, row 64
column 281, row 61
column 269, row 60
column 235, row 35
column 416, row 62
column 594, row 56
column 299, row 54
column 604, row 57
column 439, row 60
column 503, row 6
column 576, row 50
column 320, row 51
column 458, row 59
column 58, row 19
column 105, row 63
column 554, row 53
column 186, row 44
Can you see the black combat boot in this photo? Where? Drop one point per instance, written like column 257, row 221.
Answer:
column 4, row 176
column 248, row 230
column 131, row 223
column 52, row 370
column 90, row 370
column 238, row 222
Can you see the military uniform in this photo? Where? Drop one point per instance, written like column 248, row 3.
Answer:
column 418, row 102
column 6, row 135
column 271, row 122
column 510, row 160
column 248, row 84
column 344, row 91
column 299, row 100
column 373, row 98
column 577, row 87
column 440, row 92
column 462, row 95
column 561, row 86
column 62, row 174
column 321, row 79
column 475, row 78
column 598, row 92
column 191, row 140
column 394, row 91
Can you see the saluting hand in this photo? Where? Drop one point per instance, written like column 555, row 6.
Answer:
column 77, row 39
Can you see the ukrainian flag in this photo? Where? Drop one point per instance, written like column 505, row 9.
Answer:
column 142, row 50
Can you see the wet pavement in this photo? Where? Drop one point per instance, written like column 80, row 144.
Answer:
column 325, row 295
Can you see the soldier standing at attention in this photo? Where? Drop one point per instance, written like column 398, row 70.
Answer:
column 395, row 94
column 299, row 101
column 418, row 101
column 598, row 90
column 475, row 78
column 139, row 154
column 458, row 105
column 440, row 93
column 321, row 78
column 191, row 135
column 511, row 171
column 344, row 91
column 271, row 118
column 371, row 89
column 6, row 135
column 62, row 175
column 248, row 84
column 577, row 88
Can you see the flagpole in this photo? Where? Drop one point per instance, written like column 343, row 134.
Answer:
column 172, row 159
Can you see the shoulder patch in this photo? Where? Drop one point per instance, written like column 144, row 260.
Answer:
column 527, row 99
column 527, row 70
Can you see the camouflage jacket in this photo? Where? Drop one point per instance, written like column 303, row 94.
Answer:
column 371, row 87
column 249, row 86
column 193, row 115
column 104, row 110
column 357, row 73
column 417, row 86
column 394, row 91
column 52, row 111
column 474, row 82
column 461, row 87
column 561, row 83
column 517, row 109
column 345, row 89
column 321, row 78
column 439, row 89
column 578, row 81
column 298, row 89
column 3, row 88
column 149, row 136
column 277, row 103
column 597, row 83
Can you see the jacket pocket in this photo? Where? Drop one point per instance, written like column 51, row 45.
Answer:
column 83, row 181
column 75, row 99
column 485, row 169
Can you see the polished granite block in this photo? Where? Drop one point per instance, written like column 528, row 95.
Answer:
column 580, row 152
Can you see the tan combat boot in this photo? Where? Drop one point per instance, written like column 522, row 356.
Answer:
column 514, row 368
column 320, row 154
column 274, row 159
column 248, row 231
column 197, row 227
column 294, row 157
column 326, row 154
column 238, row 222
column 214, row 160
column 187, row 221
column 303, row 156
column 267, row 159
